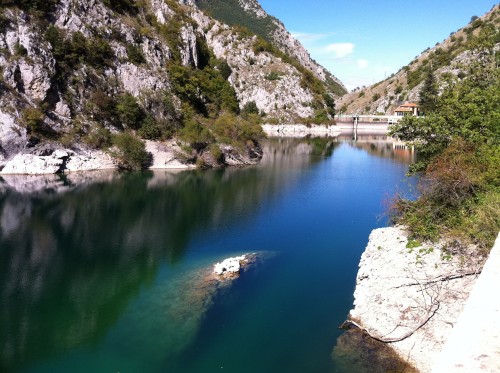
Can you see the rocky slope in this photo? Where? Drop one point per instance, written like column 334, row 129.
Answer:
column 449, row 59
column 250, row 15
column 75, row 74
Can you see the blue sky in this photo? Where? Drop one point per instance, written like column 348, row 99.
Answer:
column 362, row 41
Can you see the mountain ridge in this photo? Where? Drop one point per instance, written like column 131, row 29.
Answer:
column 450, row 58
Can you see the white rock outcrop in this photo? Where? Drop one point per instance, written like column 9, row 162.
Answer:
column 230, row 267
column 60, row 160
column 413, row 292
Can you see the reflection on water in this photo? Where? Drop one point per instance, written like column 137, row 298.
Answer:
column 77, row 250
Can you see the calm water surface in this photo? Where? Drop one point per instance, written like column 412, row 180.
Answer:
column 100, row 272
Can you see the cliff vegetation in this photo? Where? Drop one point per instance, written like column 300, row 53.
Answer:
column 80, row 75
column 458, row 145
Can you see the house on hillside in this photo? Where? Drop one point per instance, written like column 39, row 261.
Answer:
column 408, row 108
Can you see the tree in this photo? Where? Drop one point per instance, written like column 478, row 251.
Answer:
column 130, row 113
column 130, row 152
column 458, row 147
column 428, row 94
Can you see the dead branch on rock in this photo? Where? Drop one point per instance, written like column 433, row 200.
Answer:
column 443, row 278
column 349, row 324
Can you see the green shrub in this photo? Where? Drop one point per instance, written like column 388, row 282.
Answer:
column 230, row 129
column 196, row 135
column 98, row 137
column 103, row 107
column 129, row 111
column 20, row 50
column 135, row 55
column 122, row 6
column 217, row 153
column 33, row 119
column 249, row 108
column 130, row 152
column 150, row 130
column 273, row 75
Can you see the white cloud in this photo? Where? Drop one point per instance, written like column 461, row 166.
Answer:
column 362, row 64
column 341, row 50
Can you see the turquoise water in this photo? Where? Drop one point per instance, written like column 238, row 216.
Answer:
column 105, row 274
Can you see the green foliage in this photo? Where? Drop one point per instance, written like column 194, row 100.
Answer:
column 216, row 153
column 207, row 91
column 20, row 50
column 33, row 119
column 70, row 51
column 231, row 13
column 260, row 45
column 230, row 129
column 459, row 152
column 151, row 129
column 413, row 244
column 223, row 67
column 98, row 137
column 249, row 108
column 273, row 75
column 320, row 116
column 375, row 97
column 122, row 6
column 103, row 108
column 36, row 7
column 135, row 55
column 196, row 135
column 129, row 111
column 428, row 94
column 130, row 152
column 413, row 78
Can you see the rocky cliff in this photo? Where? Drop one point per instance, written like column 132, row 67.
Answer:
column 74, row 74
column 405, row 314
column 450, row 59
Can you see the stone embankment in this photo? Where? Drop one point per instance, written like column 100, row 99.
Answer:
column 300, row 130
column 410, row 296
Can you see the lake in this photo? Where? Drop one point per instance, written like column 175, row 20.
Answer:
column 102, row 272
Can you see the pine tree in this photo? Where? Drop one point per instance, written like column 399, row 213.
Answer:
column 428, row 94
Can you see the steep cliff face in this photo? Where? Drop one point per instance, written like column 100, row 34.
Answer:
column 250, row 15
column 74, row 73
column 450, row 59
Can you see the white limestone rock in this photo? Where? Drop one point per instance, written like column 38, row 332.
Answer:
column 33, row 164
column 165, row 155
column 90, row 160
column 398, row 288
column 229, row 267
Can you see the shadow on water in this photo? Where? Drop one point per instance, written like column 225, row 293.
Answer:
column 357, row 352
column 76, row 249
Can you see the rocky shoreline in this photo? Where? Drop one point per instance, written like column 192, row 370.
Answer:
column 53, row 158
column 408, row 297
